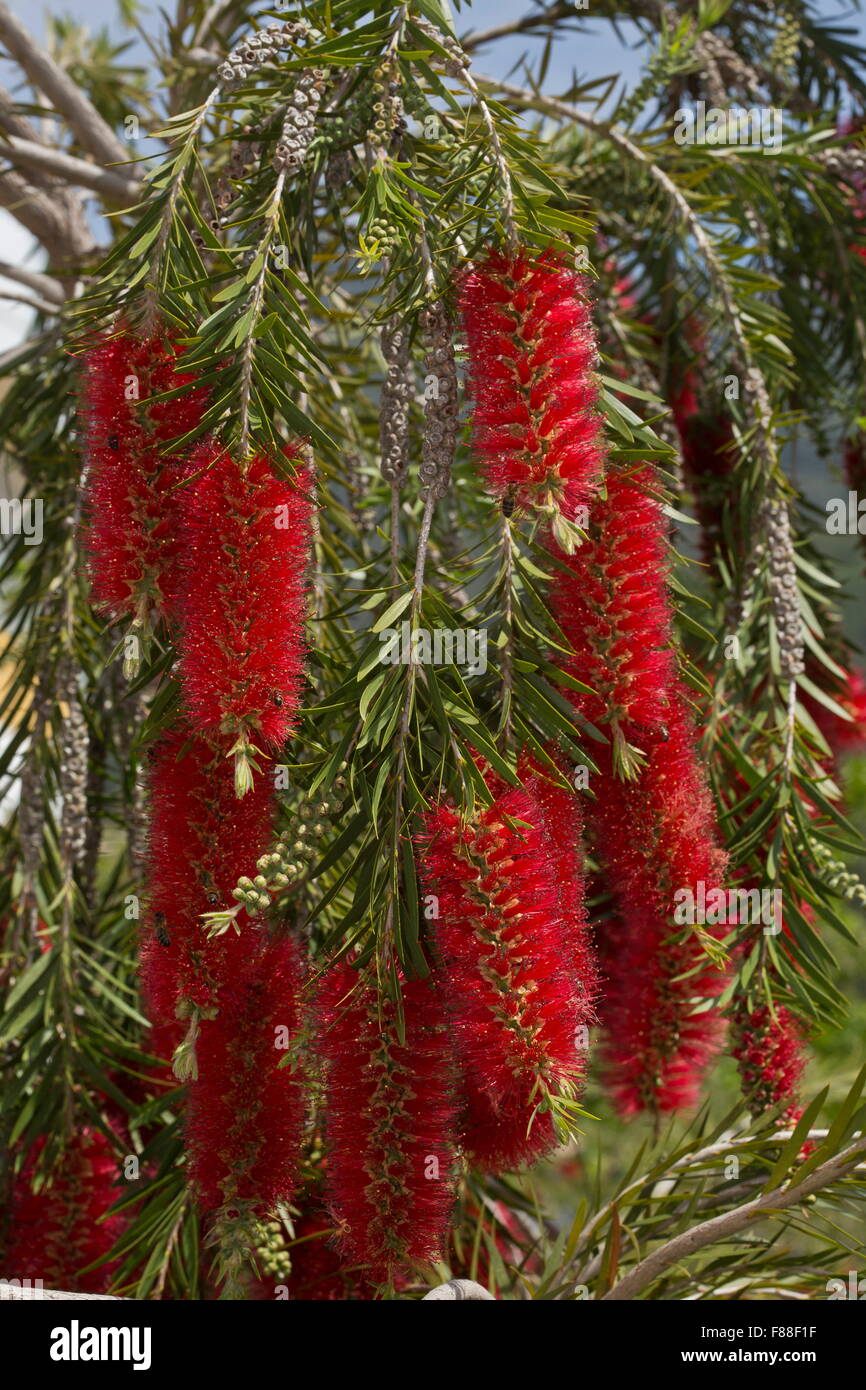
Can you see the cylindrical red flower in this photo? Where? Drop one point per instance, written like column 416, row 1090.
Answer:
column 133, row 535
column 242, row 647
column 652, row 817
column 563, row 823
column 202, row 839
column 612, row 605
column 55, row 1233
column 245, row 1112
column 508, row 973
column 769, row 1046
column 389, row 1114
column 537, row 427
column 657, row 841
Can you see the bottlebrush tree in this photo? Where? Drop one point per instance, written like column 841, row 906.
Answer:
column 427, row 697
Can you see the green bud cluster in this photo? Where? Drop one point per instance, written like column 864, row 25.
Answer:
column 835, row 875
column 383, row 232
column 287, row 861
column 272, row 1255
column 786, row 44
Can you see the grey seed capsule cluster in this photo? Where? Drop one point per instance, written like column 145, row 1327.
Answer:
column 74, row 745
column 299, row 123
column 356, row 482
column 736, row 74
column 775, row 524
column 339, row 170
column 441, row 422
column 847, row 164
column 264, row 47
column 457, row 61
column 388, row 119
column 31, row 806
column 394, row 402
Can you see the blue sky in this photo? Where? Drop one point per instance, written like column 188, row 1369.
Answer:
column 597, row 55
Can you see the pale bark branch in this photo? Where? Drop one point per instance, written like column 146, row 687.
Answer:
column 92, row 132
column 113, row 186
column 730, row 1223
column 43, row 285
column 13, row 121
column 59, row 225
column 459, row 1291
column 32, row 301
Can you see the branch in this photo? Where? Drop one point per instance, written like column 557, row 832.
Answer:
column 116, row 187
column 59, row 224
column 561, row 10
column 32, row 301
column 720, row 1228
column 43, row 285
column 91, row 131
column 12, row 120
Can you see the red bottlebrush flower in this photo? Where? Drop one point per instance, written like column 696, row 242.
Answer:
column 843, row 735
column 769, row 1049
column 614, row 611
column 55, row 1233
column 508, row 974
column 242, row 646
column 202, row 839
column 655, row 835
column 563, row 821
column 656, row 838
column 132, row 537
column 532, row 354
column 245, row 1113
column 389, row 1114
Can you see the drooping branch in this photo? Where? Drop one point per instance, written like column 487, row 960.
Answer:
column 92, row 132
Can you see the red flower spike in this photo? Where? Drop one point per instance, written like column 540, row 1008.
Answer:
column 245, row 1115
column 613, row 608
column 390, row 1114
column 202, row 839
column 242, row 646
column 842, row 735
column 770, row 1052
column 532, row 356
column 652, row 816
column 132, row 538
column 657, row 837
column 508, row 973
column 563, row 822
column 57, row 1232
